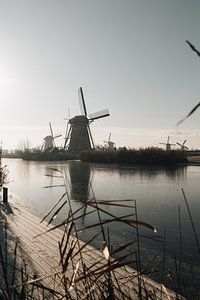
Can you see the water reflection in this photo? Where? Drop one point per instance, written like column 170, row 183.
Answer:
column 144, row 172
column 80, row 174
column 171, row 173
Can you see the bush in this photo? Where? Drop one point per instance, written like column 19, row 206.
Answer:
column 150, row 156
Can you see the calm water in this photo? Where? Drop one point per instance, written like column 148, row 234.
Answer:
column 156, row 190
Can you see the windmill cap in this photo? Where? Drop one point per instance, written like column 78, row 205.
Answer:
column 79, row 120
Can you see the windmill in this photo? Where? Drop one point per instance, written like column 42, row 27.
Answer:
column 49, row 140
column 109, row 143
column 168, row 144
column 183, row 147
column 79, row 137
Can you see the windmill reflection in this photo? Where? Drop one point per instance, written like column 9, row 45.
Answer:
column 80, row 177
column 80, row 174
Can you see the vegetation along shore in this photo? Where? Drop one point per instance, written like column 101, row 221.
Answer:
column 146, row 156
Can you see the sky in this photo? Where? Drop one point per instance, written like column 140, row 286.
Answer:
column 130, row 56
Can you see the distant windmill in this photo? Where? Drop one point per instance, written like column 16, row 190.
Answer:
column 183, row 147
column 49, row 140
column 109, row 143
column 79, row 137
column 168, row 144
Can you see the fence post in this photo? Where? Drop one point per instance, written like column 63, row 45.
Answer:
column 5, row 195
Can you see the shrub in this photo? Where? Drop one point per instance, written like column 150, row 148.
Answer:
column 150, row 156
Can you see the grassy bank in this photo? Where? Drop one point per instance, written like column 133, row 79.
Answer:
column 146, row 156
column 47, row 156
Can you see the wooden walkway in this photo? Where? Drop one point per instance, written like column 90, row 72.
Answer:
column 84, row 274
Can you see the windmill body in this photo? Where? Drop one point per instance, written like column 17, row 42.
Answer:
column 168, row 147
column 48, row 143
column 79, row 137
column 110, row 144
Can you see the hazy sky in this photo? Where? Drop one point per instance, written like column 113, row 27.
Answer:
column 128, row 55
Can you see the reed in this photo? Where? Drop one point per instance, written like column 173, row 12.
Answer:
column 3, row 172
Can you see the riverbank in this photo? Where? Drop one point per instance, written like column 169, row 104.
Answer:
column 46, row 255
column 146, row 156
column 193, row 159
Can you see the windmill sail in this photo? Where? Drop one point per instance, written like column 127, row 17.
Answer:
column 184, row 142
column 82, row 102
column 51, row 130
column 99, row 114
column 183, row 147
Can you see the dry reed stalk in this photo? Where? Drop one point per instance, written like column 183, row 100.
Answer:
column 191, row 220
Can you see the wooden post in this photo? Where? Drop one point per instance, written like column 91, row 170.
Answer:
column 5, row 195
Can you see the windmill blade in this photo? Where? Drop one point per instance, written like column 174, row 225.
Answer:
column 109, row 137
column 82, row 102
column 162, row 143
column 57, row 136
column 99, row 114
column 179, row 144
column 68, row 133
column 182, row 145
column 91, row 138
column 51, row 130
column 168, row 139
column 188, row 115
column 184, row 142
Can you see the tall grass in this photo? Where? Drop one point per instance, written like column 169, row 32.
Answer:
column 3, row 172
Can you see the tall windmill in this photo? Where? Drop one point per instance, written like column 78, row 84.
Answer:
column 49, row 140
column 183, row 147
column 79, row 136
column 110, row 144
column 168, row 144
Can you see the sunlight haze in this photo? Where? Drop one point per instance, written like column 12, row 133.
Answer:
column 129, row 56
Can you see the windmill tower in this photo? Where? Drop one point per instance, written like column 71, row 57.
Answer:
column 168, row 144
column 182, row 146
column 49, row 140
column 79, row 137
column 110, row 144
